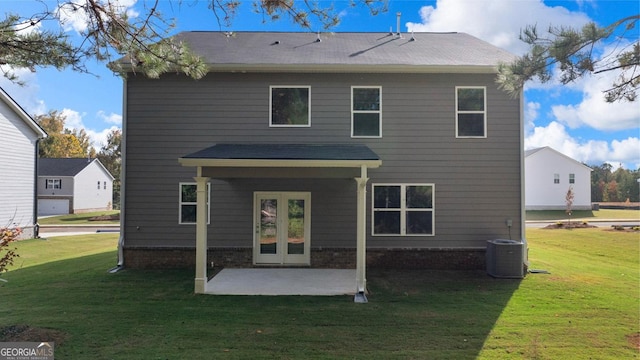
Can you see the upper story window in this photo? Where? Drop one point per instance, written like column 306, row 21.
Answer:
column 572, row 178
column 98, row 185
column 403, row 209
column 290, row 106
column 53, row 184
column 556, row 178
column 188, row 203
column 471, row 113
column 366, row 111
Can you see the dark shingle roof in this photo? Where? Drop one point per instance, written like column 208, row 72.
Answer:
column 302, row 50
column 285, row 152
column 62, row 166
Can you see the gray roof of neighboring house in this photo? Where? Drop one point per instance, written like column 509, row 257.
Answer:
column 295, row 51
column 285, row 152
column 65, row 166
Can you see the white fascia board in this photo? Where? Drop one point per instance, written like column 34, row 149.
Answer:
column 279, row 163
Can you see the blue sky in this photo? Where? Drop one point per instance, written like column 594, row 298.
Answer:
column 573, row 119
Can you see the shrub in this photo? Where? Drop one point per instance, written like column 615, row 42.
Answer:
column 7, row 254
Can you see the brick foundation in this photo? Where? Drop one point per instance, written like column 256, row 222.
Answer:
column 337, row 258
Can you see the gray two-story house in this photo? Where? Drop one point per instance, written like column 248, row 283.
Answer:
column 342, row 150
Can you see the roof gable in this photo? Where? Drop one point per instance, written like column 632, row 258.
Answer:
column 382, row 52
column 552, row 152
column 13, row 105
column 66, row 166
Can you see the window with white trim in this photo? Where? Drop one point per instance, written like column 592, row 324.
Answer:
column 98, row 185
column 572, row 178
column 556, row 178
column 366, row 111
column 471, row 114
column 403, row 209
column 53, row 184
column 189, row 201
column 289, row 106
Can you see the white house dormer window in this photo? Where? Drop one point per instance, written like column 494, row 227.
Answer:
column 53, row 184
column 290, row 106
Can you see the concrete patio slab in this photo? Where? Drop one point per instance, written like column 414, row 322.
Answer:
column 317, row 282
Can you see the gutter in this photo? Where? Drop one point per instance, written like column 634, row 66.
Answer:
column 123, row 151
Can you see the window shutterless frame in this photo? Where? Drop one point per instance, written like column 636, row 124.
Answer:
column 471, row 111
column 289, row 106
column 366, row 111
column 403, row 209
column 187, row 203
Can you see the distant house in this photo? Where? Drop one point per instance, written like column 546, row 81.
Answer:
column 548, row 176
column 19, row 136
column 71, row 186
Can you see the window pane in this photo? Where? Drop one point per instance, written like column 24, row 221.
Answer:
column 386, row 197
column 189, row 193
column 419, row 197
column 367, row 124
column 366, row 99
column 386, row 222
column 470, row 124
column 295, row 239
column 188, row 214
column 419, row 222
column 290, row 106
column 470, row 99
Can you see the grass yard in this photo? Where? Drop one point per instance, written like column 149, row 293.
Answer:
column 586, row 308
column 92, row 218
column 602, row 214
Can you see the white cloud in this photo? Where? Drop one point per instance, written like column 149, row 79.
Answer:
column 497, row 21
column 25, row 95
column 112, row 118
column 594, row 152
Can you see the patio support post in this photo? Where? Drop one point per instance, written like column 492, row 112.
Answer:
column 361, row 250
column 201, row 233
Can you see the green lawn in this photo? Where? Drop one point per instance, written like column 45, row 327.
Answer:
column 79, row 219
column 584, row 215
column 587, row 307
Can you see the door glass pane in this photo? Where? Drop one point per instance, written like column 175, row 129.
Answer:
column 295, row 231
column 268, row 228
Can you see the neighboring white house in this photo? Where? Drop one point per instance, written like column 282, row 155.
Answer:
column 72, row 186
column 548, row 176
column 19, row 136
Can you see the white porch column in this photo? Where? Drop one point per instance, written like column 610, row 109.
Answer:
column 201, row 233
column 361, row 250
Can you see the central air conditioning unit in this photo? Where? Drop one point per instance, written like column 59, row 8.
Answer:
column 505, row 258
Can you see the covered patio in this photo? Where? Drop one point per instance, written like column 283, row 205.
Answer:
column 278, row 161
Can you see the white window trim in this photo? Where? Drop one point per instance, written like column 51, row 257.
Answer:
column 271, row 87
column 379, row 112
column 556, row 178
column 180, row 203
column 403, row 209
column 484, row 88
column 572, row 178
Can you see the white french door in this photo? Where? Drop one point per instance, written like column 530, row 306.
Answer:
column 282, row 223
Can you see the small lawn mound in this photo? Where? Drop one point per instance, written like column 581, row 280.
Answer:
column 26, row 333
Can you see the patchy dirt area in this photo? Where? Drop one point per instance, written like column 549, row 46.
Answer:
column 570, row 225
column 634, row 340
column 26, row 333
column 105, row 217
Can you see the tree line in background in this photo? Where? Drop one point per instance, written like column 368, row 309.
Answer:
column 620, row 185
column 64, row 143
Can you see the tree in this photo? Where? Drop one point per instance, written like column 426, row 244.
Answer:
column 110, row 156
column 144, row 41
column 574, row 51
column 569, row 201
column 61, row 142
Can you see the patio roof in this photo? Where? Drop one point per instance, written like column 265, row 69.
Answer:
column 283, row 155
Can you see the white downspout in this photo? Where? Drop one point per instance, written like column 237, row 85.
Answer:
column 523, row 213
column 123, row 171
column 361, row 249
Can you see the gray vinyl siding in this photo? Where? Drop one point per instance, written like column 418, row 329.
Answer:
column 477, row 181
column 17, row 168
